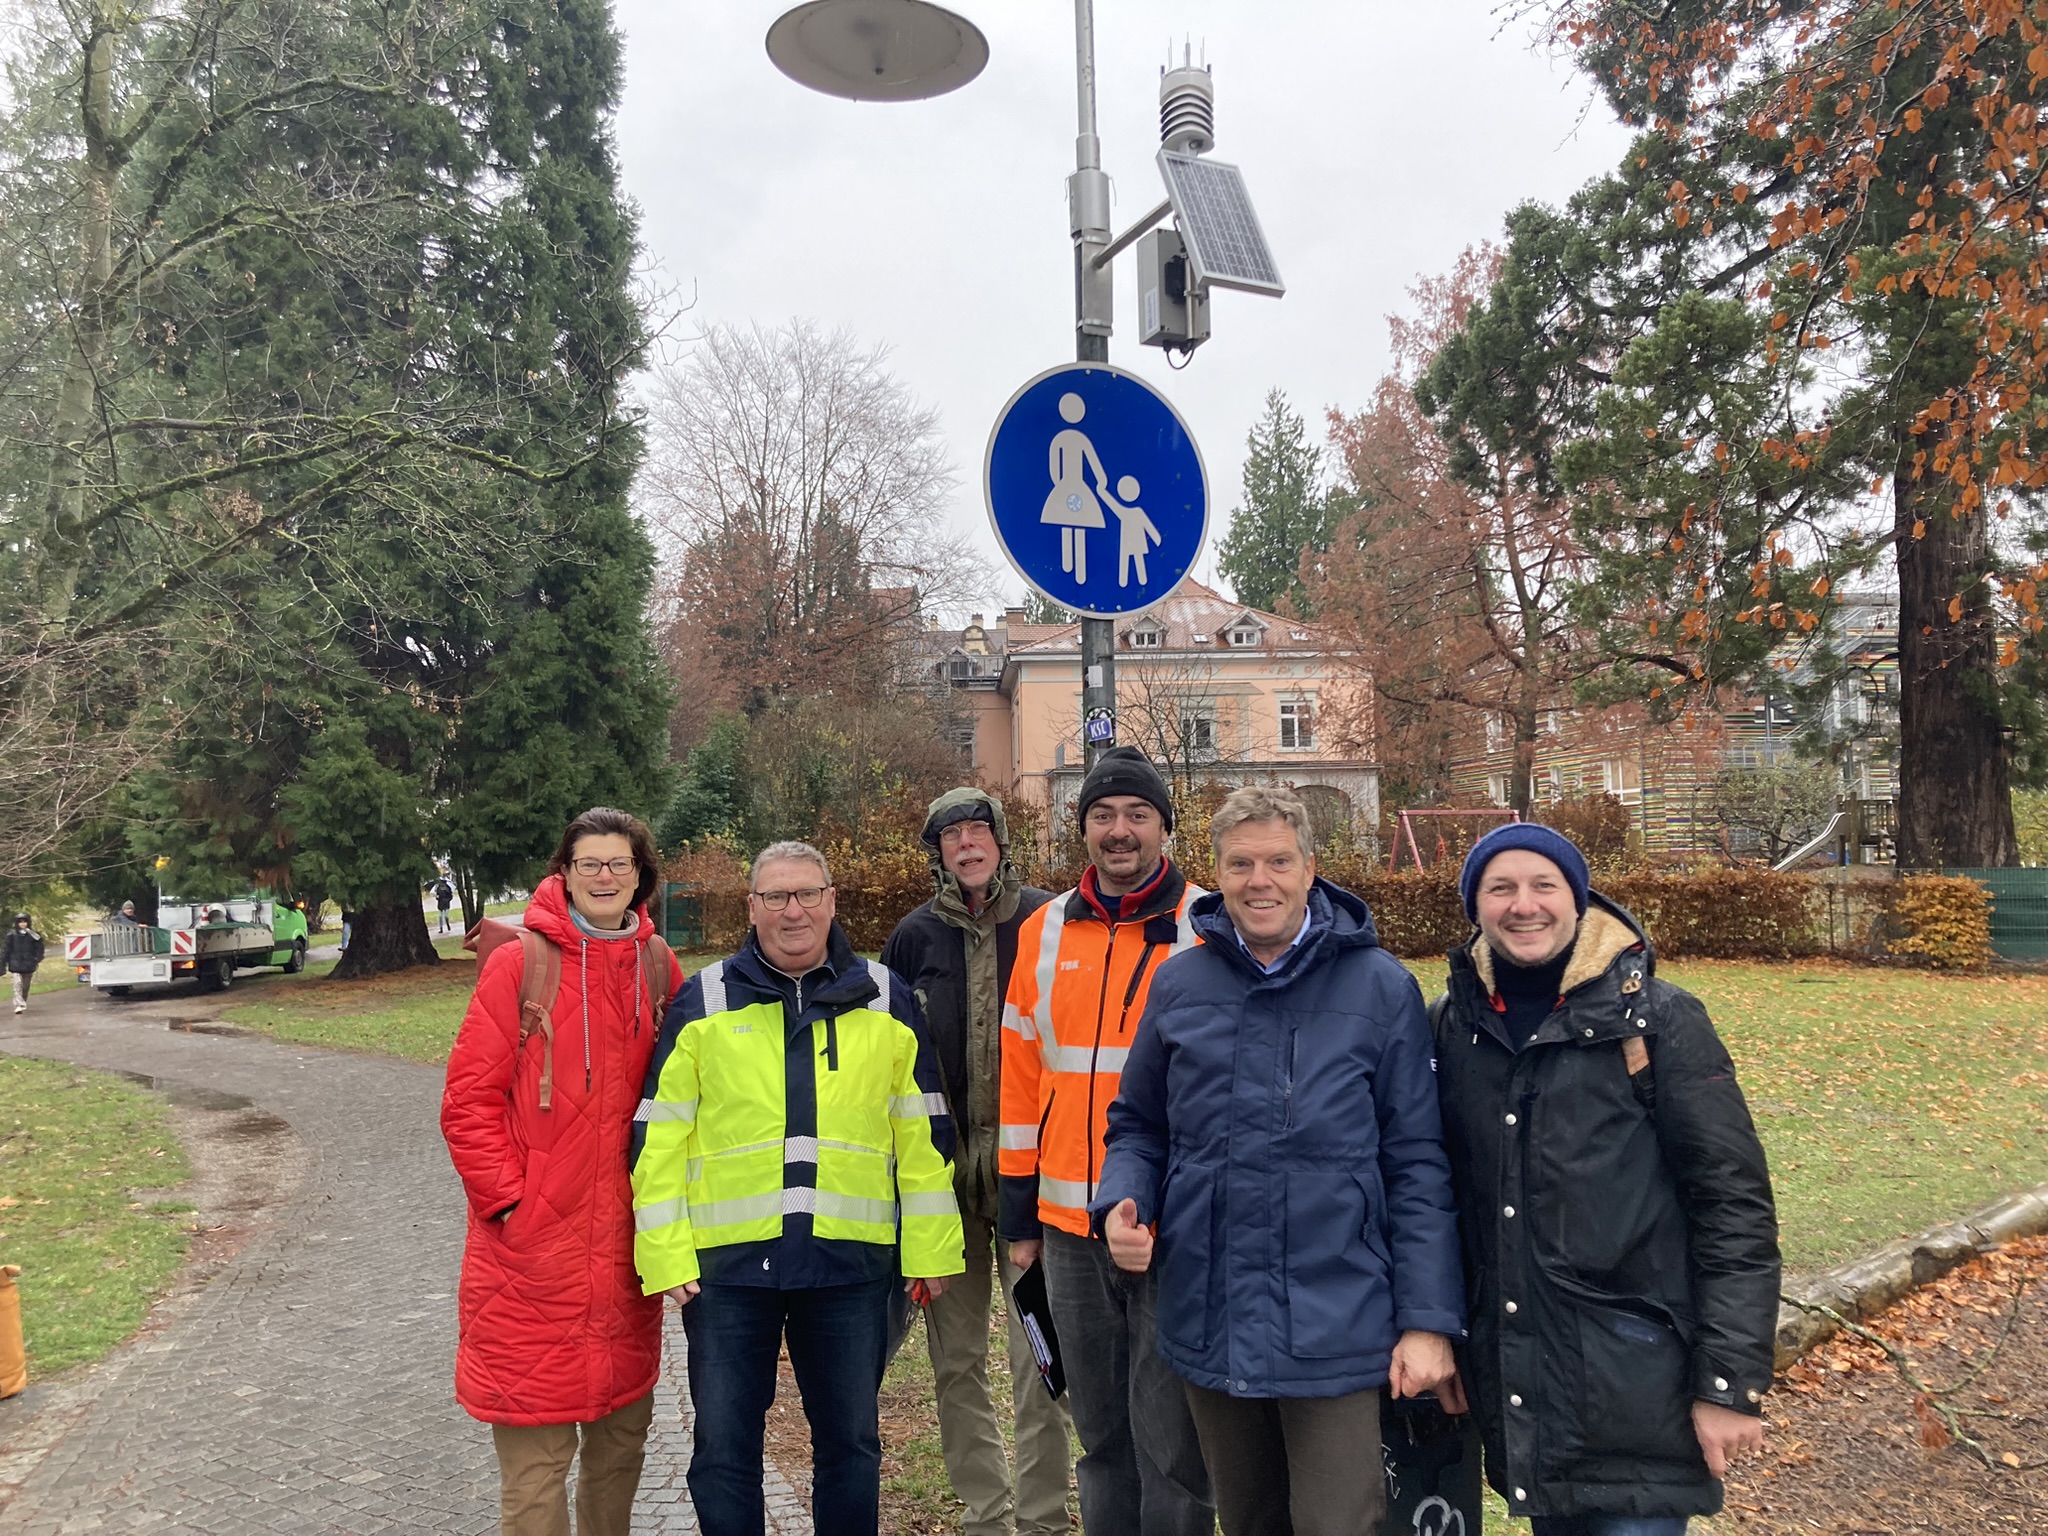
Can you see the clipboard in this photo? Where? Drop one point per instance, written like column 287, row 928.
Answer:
column 1034, row 1313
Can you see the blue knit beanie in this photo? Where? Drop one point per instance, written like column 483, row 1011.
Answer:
column 1529, row 835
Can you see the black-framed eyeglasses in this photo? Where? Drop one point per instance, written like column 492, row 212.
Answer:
column 806, row 896
column 591, row 867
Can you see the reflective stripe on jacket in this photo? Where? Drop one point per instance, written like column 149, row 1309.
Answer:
column 735, row 1145
column 1075, row 998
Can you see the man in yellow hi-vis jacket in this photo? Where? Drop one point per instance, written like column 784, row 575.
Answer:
column 792, row 1159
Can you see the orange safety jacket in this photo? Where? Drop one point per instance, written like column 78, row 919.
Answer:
column 1085, row 963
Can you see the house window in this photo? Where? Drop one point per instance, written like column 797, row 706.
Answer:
column 1241, row 637
column 1496, row 734
column 1297, row 634
column 1297, row 726
column 1198, row 732
column 1497, row 788
column 962, row 667
column 1144, row 638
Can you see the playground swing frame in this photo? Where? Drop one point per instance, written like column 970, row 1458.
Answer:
column 1406, row 831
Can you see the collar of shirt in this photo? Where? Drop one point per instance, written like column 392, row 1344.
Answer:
column 1281, row 958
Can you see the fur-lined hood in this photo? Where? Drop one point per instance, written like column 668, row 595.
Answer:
column 1606, row 933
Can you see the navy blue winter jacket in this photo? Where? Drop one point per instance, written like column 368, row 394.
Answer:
column 1283, row 1132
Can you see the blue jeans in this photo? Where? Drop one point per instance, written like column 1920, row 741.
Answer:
column 838, row 1345
column 1607, row 1525
column 1141, row 1471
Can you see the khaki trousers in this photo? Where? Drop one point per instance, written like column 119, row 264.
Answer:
column 533, row 1473
column 1292, row 1466
column 957, row 1328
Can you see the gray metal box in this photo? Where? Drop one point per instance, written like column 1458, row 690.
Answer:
column 1170, row 313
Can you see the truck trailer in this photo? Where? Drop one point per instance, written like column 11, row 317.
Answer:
column 203, row 941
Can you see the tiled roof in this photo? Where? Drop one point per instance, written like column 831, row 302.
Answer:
column 1194, row 618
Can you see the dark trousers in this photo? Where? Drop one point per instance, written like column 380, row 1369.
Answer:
column 1293, row 1466
column 838, row 1345
column 1140, row 1472
column 1608, row 1525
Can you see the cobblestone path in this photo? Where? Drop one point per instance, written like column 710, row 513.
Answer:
column 306, row 1385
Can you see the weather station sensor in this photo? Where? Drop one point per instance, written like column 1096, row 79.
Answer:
column 1216, row 240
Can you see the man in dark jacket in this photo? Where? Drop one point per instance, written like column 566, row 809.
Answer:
column 1620, row 1239
column 20, row 954
column 956, row 951
column 1278, row 1121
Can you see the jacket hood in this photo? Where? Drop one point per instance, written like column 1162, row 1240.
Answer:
column 1338, row 921
column 547, row 914
column 1606, row 933
column 941, row 813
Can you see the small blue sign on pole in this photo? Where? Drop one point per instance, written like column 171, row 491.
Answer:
column 1096, row 490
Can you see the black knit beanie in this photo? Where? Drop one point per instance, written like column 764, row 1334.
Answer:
column 1126, row 771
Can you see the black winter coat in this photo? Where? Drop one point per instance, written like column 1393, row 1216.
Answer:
column 931, row 954
column 21, row 951
column 1621, row 1245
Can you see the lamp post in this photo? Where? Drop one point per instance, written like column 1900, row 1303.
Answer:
column 906, row 50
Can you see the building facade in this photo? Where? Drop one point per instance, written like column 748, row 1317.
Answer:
column 1211, row 690
column 1665, row 773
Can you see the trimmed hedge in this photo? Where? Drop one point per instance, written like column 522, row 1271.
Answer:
column 1721, row 914
column 1942, row 921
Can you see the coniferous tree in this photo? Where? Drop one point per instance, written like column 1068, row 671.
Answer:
column 1286, row 511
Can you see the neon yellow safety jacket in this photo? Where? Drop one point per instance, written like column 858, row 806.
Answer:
column 792, row 1132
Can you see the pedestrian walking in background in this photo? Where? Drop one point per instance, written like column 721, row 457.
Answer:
column 444, row 894
column 559, row 1348
column 791, row 1164
column 1278, row 1123
column 957, row 952
column 1621, row 1245
column 1087, row 960
column 19, row 956
column 348, row 923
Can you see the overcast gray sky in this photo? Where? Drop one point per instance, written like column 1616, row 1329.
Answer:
column 1378, row 140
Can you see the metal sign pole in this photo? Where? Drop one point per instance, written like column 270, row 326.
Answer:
column 1088, row 204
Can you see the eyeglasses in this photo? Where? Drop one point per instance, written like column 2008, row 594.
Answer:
column 775, row 901
column 590, row 867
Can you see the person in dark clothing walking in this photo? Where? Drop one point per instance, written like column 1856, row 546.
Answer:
column 1621, row 1244
column 20, row 954
column 957, row 951
column 444, row 896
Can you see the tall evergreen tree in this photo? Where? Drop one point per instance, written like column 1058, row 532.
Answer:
column 1286, row 511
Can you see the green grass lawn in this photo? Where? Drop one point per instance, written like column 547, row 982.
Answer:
column 413, row 1014
column 76, row 1147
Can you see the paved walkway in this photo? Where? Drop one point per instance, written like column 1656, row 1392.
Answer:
column 306, row 1385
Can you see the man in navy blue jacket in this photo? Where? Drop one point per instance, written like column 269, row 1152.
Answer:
column 1278, row 1124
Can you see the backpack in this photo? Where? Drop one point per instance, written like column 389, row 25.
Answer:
column 540, row 978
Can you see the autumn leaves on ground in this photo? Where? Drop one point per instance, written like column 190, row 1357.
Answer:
column 1860, row 1443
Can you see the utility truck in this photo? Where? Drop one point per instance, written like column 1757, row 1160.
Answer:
column 203, row 941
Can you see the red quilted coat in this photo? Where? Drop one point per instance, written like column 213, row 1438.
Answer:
column 554, row 1329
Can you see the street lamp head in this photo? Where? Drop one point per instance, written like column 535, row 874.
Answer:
column 877, row 50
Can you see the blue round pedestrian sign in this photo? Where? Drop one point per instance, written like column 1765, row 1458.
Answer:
column 1096, row 489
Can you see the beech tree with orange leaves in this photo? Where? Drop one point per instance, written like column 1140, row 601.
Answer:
column 1453, row 583
column 1862, row 182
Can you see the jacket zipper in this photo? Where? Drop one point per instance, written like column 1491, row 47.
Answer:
column 1095, row 1057
column 1287, row 1083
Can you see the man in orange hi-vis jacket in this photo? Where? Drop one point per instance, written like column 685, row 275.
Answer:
column 1085, row 961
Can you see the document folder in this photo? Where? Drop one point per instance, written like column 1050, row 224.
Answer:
column 1035, row 1314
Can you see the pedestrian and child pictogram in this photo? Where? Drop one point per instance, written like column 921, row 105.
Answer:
column 1087, row 454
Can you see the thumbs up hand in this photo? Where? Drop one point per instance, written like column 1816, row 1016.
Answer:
column 1130, row 1245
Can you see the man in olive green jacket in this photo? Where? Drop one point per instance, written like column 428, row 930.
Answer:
column 956, row 952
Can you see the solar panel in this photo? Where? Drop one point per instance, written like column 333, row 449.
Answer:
column 1225, row 244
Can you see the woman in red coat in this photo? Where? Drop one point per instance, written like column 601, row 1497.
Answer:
column 557, row 1343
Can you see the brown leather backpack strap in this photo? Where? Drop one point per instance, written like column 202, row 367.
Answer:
column 540, row 978
column 659, row 971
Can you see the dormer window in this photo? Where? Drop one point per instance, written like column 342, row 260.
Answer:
column 1242, row 636
column 1147, row 638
